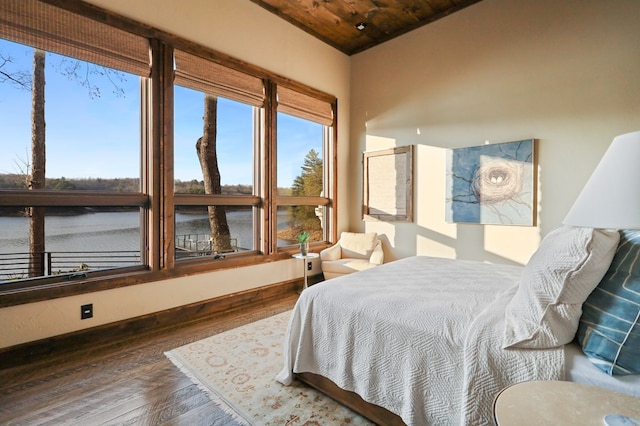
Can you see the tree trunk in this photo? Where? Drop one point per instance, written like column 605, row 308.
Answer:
column 38, row 162
column 206, row 149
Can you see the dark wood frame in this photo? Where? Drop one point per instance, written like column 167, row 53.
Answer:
column 352, row 400
column 157, row 178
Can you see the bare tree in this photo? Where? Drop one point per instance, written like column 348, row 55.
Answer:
column 38, row 161
column 19, row 78
column 207, row 154
column 76, row 70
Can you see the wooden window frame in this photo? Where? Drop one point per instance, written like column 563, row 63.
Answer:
column 296, row 102
column 156, row 196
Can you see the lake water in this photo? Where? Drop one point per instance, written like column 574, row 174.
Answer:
column 105, row 231
column 111, row 231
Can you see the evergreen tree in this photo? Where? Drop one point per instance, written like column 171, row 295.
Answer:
column 307, row 184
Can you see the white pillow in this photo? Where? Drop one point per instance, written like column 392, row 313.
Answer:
column 358, row 245
column 556, row 281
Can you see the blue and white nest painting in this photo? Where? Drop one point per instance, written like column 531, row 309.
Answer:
column 491, row 184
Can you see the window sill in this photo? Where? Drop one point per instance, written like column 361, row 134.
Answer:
column 54, row 290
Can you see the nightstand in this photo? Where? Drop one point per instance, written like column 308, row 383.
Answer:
column 560, row 403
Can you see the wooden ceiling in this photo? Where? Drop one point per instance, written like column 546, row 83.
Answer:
column 334, row 21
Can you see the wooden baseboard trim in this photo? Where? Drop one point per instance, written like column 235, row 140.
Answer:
column 108, row 333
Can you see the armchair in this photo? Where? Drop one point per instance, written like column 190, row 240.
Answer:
column 353, row 252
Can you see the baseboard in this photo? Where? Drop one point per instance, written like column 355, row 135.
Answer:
column 108, row 333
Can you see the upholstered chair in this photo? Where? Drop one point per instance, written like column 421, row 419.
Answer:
column 353, row 252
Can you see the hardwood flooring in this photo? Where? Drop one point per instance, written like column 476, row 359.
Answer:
column 127, row 382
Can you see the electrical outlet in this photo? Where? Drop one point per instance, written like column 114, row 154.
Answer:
column 309, row 266
column 86, row 311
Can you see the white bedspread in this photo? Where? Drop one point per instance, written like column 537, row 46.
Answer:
column 421, row 337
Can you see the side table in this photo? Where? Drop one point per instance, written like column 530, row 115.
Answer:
column 550, row 402
column 304, row 257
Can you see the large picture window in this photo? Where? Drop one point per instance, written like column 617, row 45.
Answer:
column 71, row 147
column 222, row 175
column 117, row 166
column 216, row 137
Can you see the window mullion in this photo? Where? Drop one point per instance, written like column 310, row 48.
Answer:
column 271, row 172
column 302, row 201
column 331, row 178
column 215, row 200
column 160, row 160
column 259, row 181
column 47, row 198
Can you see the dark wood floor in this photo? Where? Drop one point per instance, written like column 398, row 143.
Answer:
column 129, row 382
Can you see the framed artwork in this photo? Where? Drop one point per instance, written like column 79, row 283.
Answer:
column 388, row 185
column 492, row 184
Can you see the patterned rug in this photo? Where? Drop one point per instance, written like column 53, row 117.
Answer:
column 237, row 370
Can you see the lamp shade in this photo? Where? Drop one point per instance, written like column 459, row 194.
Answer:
column 611, row 197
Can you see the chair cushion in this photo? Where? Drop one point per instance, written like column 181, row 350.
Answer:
column 609, row 330
column 346, row 266
column 358, row 245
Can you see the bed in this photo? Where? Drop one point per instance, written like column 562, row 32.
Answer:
column 427, row 340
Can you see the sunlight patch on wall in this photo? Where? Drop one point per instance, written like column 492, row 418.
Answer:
column 435, row 236
column 504, row 242
column 376, row 143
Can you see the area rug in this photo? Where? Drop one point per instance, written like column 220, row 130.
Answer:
column 237, row 370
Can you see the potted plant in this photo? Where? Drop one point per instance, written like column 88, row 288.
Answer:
column 303, row 239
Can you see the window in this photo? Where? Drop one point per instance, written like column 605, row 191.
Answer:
column 195, row 235
column 303, row 142
column 124, row 188
column 77, row 240
column 217, row 130
column 74, row 204
column 233, row 162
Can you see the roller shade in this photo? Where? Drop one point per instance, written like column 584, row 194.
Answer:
column 50, row 28
column 207, row 76
column 304, row 106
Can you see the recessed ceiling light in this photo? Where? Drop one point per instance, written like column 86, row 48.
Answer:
column 361, row 26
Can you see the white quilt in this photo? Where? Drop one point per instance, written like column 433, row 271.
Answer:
column 421, row 337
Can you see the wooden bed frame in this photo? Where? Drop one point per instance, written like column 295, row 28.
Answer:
column 375, row 413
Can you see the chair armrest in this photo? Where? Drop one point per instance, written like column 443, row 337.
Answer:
column 331, row 253
column 377, row 256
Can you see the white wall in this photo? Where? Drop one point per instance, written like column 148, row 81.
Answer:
column 565, row 73
column 245, row 31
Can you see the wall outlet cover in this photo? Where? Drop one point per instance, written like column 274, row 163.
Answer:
column 86, row 311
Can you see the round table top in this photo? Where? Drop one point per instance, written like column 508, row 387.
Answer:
column 560, row 403
column 306, row 256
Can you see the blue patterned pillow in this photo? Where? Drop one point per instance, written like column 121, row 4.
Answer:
column 609, row 329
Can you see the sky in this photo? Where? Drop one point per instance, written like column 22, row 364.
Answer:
column 100, row 137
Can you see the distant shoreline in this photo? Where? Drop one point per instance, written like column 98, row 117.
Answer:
column 78, row 211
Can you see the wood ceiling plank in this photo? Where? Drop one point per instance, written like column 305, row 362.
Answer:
column 333, row 21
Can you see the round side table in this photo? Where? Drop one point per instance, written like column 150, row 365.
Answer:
column 304, row 257
column 560, row 403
